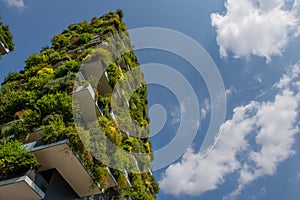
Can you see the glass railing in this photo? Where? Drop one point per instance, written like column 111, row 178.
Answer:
column 3, row 47
column 10, row 123
column 37, row 179
column 126, row 176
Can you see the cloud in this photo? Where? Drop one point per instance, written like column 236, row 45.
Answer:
column 191, row 171
column 205, row 109
column 257, row 27
column 187, row 114
column 176, row 115
column 15, row 3
column 229, row 92
column 258, row 137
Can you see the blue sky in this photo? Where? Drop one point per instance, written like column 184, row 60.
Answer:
column 255, row 45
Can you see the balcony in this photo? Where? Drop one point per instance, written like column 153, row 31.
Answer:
column 59, row 156
column 136, row 163
column 97, row 39
column 91, row 71
column 104, row 87
column 3, row 47
column 36, row 135
column 29, row 186
column 127, row 178
column 8, row 124
column 124, row 65
column 111, row 181
column 88, row 109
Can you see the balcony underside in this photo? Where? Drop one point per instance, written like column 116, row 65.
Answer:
column 20, row 188
column 87, row 106
column 60, row 157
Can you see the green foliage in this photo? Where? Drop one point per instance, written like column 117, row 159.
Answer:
column 121, row 179
column 35, row 59
column 110, row 131
column 14, row 159
column 45, row 70
column 53, row 56
column 21, row 128
column 141, row 186
column 97, row 142
column 33, row 70
column 6, row 37
column 54, row 129
column 30, row 120
column 12, row 76
column 101, row 174
column 68, row 66
column 114, row 74
column 40, row 96
column 62, row 84
column 131, row 60
column 102, row 54
column 120, row 13
column 104, row 104
column 59, row 103
column 60, row 41
column 12, row 101
column 84, row 38
column 37, row 83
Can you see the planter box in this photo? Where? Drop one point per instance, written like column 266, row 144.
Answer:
column 29, row 186
column 36, row 135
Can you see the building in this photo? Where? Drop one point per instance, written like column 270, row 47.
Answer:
column 6, row 43
column 3, row 47
column 63, row 145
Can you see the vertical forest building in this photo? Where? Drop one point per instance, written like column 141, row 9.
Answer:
column 75, row 120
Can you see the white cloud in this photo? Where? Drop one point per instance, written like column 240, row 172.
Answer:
column 257, row 27
column 187, row 112
column 15, row 3
column 176, row 115
column 271, row 125
column 229, row 92
column 191, row 171
column 204, row 109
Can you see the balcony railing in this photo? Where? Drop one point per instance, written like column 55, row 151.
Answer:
column 36, row 135
column 59, row 156
column 127, row 178
column 111, row 179
column 30, row 185
column 9, row 123
column 88, row 109
column 3, row 47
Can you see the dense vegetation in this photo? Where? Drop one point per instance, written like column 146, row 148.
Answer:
column 15, row 160
column 6, row 37
column 40, row 97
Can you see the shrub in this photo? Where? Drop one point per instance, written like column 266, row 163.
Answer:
column 14, row 159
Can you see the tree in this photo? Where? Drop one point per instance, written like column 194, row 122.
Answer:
column 35, row 59
column 84, row 38
column 120, row 13
column 59, row 103
column 60, row 41
column 15, row 160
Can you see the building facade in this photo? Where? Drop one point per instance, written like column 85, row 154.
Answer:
column 78, row 118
